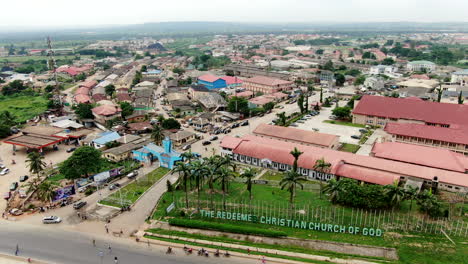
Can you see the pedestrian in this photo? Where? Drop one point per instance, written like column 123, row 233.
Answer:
column 78, row 213
column 116, row 260
column 17, row 250
column 110, row 249
column 248, row 251
column 107, row 228
column 94, row 242
column 263, row 260
column 121, row 231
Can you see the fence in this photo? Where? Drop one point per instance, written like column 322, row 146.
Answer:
column 386, row 220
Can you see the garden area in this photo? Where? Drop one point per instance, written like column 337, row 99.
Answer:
column 210, row 189
column 346, row 147
column 23, row 107
column 131, row 192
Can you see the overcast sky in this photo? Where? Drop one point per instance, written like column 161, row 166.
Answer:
column 105, row 12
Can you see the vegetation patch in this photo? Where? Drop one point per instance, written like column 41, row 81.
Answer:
column 343, row 123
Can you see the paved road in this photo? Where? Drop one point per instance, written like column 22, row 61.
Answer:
column 58, row 246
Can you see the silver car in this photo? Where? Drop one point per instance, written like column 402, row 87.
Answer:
column 51, row 220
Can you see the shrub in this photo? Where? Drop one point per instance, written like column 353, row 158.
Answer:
column 225, row 227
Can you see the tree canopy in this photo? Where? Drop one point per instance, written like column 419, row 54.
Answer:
column 82, row 163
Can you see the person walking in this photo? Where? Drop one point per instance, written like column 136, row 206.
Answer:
column 110, row 249
column 17, row 250
column 107, row 228
column 116, row 260
column 94, row 242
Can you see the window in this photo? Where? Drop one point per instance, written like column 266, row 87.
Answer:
column 452, row 145
column 393, row 119
column 370, row 121
column 436, row 142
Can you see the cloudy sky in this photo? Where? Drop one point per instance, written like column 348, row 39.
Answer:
column 37, row 13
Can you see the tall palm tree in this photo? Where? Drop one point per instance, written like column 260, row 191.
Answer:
column 290, row 181
column 213, row 165
column 31, row 185
column 334, row 188
column 35, row 162
column 249, row 174
column 45, row 191
column 411, row 193
column 157, row 134
column 185, row 170
column 296, row 154
column 324, row 167
column 225, row 175
column 199, row 170
column 395, row 193
column 282, row 119
column 7, row 118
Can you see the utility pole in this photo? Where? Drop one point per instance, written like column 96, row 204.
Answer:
column 52, row 64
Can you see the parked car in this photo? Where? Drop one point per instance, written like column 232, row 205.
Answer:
column 16, row 211
column 132, row 174
column 293, row 125
column 356, row 137
column 186, row 147
column 213, row 138
column 204, row 143
column 226, row 131
column 7, row 195
column 308, row 116
column 245, row 123
column 71, row 150
column 114, row 186
column 24, row 178
column 362, row 130
column 332, row 117
column 51, row 220
column 4, row 171
column 22, row 193
column 2, row 166
column 79, row 205
column 13, row 186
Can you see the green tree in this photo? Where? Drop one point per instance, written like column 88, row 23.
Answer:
column 300, row 103
column 334, row 189
column 268, row 106
column 127, row 109
column 170, row 189
column 238, row 105
column 290, row 181
column 84, row 111
column 339, row 79
column 35, row 162
column 321, row 94
column 395, row 194
column 248, row 174
column 342, row 112
column 328, row 66
column 170, row 123
column 156, row 134
column 296, row 154
column 282, row 119
column 83, row 162
column 225, row 175
column 110, row 89
column 387, row 61
column 143, row 67
column 324, row 167
column 184, row 169
column 45, row 191
column 411, row 193
column 179, row 71
column 199, row 170
column 13, row 87
column 7, row 118
column 360, row 80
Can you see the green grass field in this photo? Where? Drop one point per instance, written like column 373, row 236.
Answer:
column 346, row 147
column 343, row 123
column 23, row 107
column 272, row 176
column 134, row 190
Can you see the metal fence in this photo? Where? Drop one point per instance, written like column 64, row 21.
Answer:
column 386, row 220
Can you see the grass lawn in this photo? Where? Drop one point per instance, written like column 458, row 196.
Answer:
column 23, row 107
column 343, row 123
column 346, row 147
column 134, row 190
column 272, row 176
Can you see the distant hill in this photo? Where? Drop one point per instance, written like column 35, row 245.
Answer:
column 157, row 46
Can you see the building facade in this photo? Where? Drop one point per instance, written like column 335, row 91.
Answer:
column 421, row 66
column 266, row 85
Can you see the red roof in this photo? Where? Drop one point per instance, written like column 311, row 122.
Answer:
column 267, row 81
column 106, row 110
column 431, row 112
column 82, row 90
column 231, row 80
column 421, row 155
column 208, row 78
column 297, row 135
column 260, row 100
column 383, row 169
column 82, row 98
column 458, row 134
column 140, row 126
column 245, row 94
column 121, row 97
column 99, row 97
column 90, row 84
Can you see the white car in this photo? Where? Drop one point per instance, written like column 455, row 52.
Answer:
column 4, row 171
column 51, row 220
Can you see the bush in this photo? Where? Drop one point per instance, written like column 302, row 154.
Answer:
column 225, row 227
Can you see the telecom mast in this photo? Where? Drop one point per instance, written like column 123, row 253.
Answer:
column 52, row 65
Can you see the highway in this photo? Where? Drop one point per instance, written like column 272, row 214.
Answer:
column 59, row 246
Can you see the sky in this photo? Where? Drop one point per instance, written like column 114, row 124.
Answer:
column 66, row 13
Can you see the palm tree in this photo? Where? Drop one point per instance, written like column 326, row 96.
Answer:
column 334, row 188
column 185, row 170
column 171, row 190
column 31, row 186
column 225, row 175
column 35, row 162
column 157, row 134
column 7, row 118
column 324, row 167
column 411, row 193
column 282, row 119
column 45, row 191
column 213, row 163
column 199, row 170
column 395, row 193
column 290, row 181
column 296, row 154
column 249, row 174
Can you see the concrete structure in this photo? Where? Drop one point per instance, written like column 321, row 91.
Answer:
column 166, row 156
column 251, row 71
column 275, row 154
column 460, row 77
column 382, row 69
column 106, row 112
column 104, row 138
column 266, row 85
column 182, row 137
column 374, row 83
column 124, row 152
column 298, row 136
column 212, row 82
column 421, row 66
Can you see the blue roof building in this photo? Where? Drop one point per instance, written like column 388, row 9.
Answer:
column 212, row 82
column 165, row 154
column 105, row 137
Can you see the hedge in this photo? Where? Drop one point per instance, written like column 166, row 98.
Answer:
column 225, row 227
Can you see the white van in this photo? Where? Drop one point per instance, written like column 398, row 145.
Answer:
column 132, row 174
